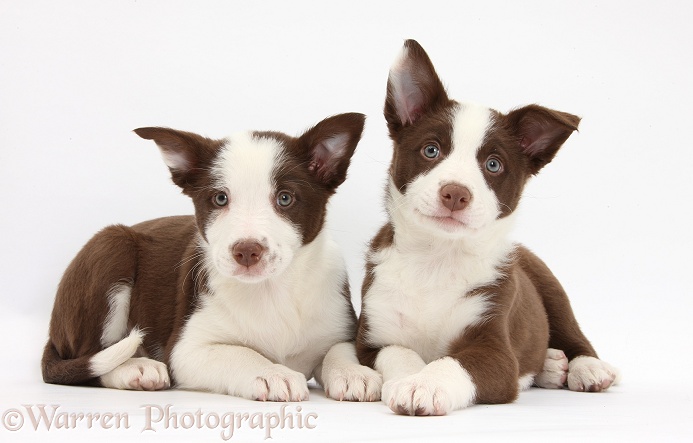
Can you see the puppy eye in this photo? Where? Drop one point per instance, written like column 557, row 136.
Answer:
column 221, row 199
column 430, row 151
column 493, row 165
column 285, row 199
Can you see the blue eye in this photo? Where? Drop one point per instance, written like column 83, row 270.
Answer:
column 221, row 199
column 431, row 151
column 285, row 199
column 493, row 165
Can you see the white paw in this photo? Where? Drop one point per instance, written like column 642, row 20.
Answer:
column 555, row 372
column 279, row 383
column 439, row 388
column 353, row 383
column 591, row 374
column 142, row 374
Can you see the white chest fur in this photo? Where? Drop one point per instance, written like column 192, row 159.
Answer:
column 284, row 318
column 420, row 296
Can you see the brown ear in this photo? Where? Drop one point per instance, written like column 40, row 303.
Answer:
column 540, row 132
column 413, row 88
column 186, row 154
column 329, row 146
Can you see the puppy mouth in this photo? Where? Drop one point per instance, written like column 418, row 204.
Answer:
column 257, row 272
column 247, row 274
column 445, row 221
column 448, row 223
column 253, row 274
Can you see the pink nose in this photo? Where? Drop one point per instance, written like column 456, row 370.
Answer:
column 247, row 253
column 455, row 197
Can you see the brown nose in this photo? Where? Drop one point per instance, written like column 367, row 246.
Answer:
column 247, row 253
column 455, row 197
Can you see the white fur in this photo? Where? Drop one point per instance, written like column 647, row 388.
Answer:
column 142, row 374
column 116, row 324
column 282, row 318
column 345, row 379
column 261, row 335
column 591, row 374
column 110, row 358
column 525, row 382
column 440, row 387
column 418, row 302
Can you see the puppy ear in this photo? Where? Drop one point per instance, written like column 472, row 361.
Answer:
column 329, row 145
column 413, row 88
column 186, row 154
column 540, row 132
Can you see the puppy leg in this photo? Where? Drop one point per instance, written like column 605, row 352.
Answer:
column 480, row 369
column 396, row 362
column 235, row 370
column 345, row 379
column 555, row 372
column 142, row 374
column 589, row 373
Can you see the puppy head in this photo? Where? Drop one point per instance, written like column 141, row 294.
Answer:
column 457, row 167
column 259, row 196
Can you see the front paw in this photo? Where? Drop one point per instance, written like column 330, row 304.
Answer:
column 415, row 395
column 279, row 383
column 441, row 387
column 353, row 383
column 591, row 374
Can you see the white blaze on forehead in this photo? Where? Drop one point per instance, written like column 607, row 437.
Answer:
column 470, row 125
column 245, row 168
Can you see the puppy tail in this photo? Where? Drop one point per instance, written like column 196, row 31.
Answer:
column 81, row 370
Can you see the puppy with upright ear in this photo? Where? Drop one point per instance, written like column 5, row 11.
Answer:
column 248, row 297
column 453, row 312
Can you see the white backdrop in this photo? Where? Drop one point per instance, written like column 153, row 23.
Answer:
column 610, row 215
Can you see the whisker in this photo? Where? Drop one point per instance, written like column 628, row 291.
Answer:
column 189, row 259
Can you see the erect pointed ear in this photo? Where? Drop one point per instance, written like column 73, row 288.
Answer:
column 186, row 154
column 329, row 146
column 540, row 132
column 413, row 87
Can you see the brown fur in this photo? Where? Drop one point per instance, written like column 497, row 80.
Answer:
column 161, row 260
column 154, row 257
column 366, row 353
column 565, row 333
column 530, row 311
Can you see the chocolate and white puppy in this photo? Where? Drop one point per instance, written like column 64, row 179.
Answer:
column 453, row 312
column 248, row 297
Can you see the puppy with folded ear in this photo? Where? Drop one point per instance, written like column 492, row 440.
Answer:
column 249, row 297
column 453, row 312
